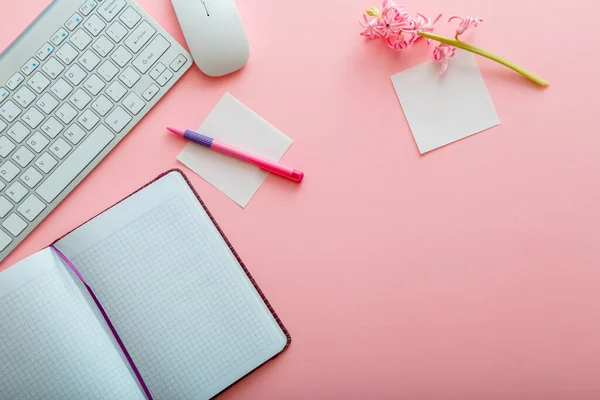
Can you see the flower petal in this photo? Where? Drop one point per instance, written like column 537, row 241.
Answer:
column 465, row 23
column 370, row 31
column 444, row 66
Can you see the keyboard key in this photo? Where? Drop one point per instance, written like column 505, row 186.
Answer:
column 47, row 103
column 116, row 91
column 5, row 206
column 157, row 71
column 110, row 9
column 133, row 103
column 94, row 25
column 33, row 117
column 14, row 224
column 130, row 17
column 16, row 192
column 73, row 22
column 118, row 119
column 102, row 105
column 165, row 77
column 88, row 120
column 38, row 82
column 14, row 81
column 150, row 92
column 4, row 240
column 31, row 207
column 44, row 51
column 46, row 162
column 81, row 39
column 30, row 66
column 6, row 146
column 81, row 88
column 121, row 56
column 9, row 111
column 23, row 156
column 140, row 36
column 73, row 165
column 59, row 36
column 108, row 70
column 117, row 31
column 18, row 132
column 8, row 171
column 52, row 127
column 103, row 46
column 61, row 89
column 37, row 142
column 66, row 113
column 3, row 94
column 74, row 134
column 60, row 148
column 151, row 54
column 67, row 53
column 80, row 99
column 94, row 85
column 88, row 7
column 178, row 62
column 24, row 96
column 129, row 77
column 31, row 177
column 75, row 74
column 89, row 60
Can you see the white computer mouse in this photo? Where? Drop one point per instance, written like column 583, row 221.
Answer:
column 215, row 34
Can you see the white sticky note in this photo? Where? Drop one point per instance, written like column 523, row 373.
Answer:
column 442, row 109
column 233, row 123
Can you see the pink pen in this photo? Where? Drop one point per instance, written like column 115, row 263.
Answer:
column 261, row 162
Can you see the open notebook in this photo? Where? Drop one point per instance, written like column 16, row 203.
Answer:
column 184, row 307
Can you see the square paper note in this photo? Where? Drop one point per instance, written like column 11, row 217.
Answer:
column 442, row 109
column 235, row 124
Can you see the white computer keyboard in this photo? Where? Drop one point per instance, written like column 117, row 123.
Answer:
column 71, row 87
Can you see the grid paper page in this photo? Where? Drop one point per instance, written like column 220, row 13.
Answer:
column 52, row 345
column 182, row 313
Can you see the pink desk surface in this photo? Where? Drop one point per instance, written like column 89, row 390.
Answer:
column 469, row 273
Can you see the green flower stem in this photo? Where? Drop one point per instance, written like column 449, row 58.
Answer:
column 484, row 53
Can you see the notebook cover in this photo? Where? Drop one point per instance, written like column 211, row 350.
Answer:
column 237, row 256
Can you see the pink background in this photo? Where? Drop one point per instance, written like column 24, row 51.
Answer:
column 469, row 273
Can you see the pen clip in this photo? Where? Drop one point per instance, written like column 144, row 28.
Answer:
column 296, row 176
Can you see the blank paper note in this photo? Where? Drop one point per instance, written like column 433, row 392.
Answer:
column 441, row 109
column 235, row 124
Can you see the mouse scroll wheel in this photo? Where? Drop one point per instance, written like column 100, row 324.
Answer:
column 205, row 8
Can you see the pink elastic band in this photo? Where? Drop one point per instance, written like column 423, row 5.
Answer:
column 110, row 325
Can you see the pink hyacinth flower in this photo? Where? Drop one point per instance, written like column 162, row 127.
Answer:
column 422, row 23
column 395, row 12
column 397, row 42
column 466, row 23
column 442, row 53
column 370, row 31
column 419, row 23
column 388, row 25
column 391, row 5
column 393, row 19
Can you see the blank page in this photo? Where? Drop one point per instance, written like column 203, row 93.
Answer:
column 52, row 345
column 184, row 308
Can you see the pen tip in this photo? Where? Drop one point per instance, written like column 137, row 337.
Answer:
column 175, row 131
